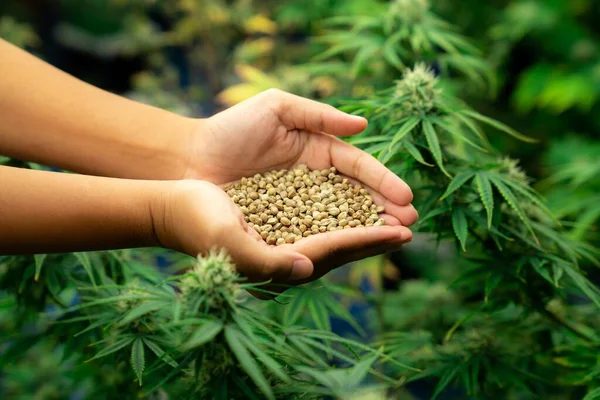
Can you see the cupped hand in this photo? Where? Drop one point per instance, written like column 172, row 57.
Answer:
column 276, row 130
column 194, row 216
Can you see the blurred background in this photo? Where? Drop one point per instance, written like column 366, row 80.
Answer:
column 197, row 57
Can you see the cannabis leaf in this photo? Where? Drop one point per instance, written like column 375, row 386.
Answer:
column 138, row 358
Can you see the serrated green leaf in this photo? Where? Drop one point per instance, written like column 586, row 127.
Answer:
column 341, row 312
column 404, row 130
column 415, row 153
column 540, row 267
column 586, row 287
column 235, row 339
column 294, row 309
column 319, row 314
column 486, row 194
column 445, row 126
column 434, row 145
column 205, row 333
column 361, row 58
column 39, row 262
column 527, row 192
column 459, row 223
column 444, row 381
column 307, row 351
column 160, row 353
column 118, row 345
column 498, row 125
column 457, row 182
column 86, row 263
column 391, row 56
column 138, row 361
column 592, row 395
column 138, row 312
column 514, row 204
column 491, row 283
column 267, row 360
column 52, row 282
column 358, row 373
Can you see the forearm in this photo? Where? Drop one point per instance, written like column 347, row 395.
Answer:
column 50, row 117
column 45, row 212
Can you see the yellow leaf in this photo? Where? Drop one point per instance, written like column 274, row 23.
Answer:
column 253, row 75
column 260, row 24
column 252, row 49
column 238, row 93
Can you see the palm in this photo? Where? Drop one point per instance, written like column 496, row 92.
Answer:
column 276, row 130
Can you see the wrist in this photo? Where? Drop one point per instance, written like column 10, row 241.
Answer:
column 194, row 168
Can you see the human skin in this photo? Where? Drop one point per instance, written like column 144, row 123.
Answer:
column 157, row 173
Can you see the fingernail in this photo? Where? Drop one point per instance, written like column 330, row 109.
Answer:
column 301, row 269
column 407, row 236
column 357, row 117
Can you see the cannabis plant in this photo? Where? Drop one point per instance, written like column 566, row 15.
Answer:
column 503, row 306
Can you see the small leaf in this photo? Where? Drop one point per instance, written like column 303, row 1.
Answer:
column 434, row 145
column 358, row 372
column 448, row 128
column 267, row 361
column 160, row 353
column 514, row 204
column 294, row 309
column 413, row 151
column 459, row 223
column 235, row 339
column 85, row 261
column 487, row 196
column 118, row 345
column 319, row 314
column 444, row 381
column 138, row 312
column 39, row 262
column 391, row 56
column 498, row 125
column 404, row 130
column 138, row 359
column 592, row 395
column 361, row 58
column 540, row 267
column 457, row 182
column 205, row 333
column 490, row 284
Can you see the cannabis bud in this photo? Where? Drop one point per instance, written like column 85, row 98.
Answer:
column 416, row 94
column 213, row 278
column 514, row 171
column 409, row 11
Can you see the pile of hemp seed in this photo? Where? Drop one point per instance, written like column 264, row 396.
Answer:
column 286, row 205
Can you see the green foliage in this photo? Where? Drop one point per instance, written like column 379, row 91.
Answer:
column 506, row 301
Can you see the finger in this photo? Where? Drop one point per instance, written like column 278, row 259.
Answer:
column 322, row 269
column 331, row 245
column 390, row 220
column 362, row 166
column 260, row 262
column 297, row 112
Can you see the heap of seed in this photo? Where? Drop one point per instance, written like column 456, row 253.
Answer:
column 285, row 206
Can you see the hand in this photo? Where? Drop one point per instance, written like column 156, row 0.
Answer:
column 194, row 216
column 276, row 130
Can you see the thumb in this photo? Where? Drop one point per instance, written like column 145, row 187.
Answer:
column 260, row 262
